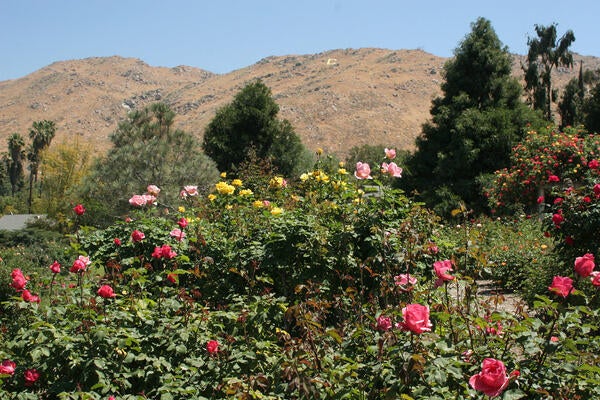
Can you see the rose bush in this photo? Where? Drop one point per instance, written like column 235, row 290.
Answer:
column 334, row 297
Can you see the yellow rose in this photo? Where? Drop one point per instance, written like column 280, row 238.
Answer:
column 211, row 197
column 223, row 175
column 236, row 182
column 276, row 211
column 181, row 209
column 304, row 177
column 245, row 192
column 224, row 188
column 257, row 204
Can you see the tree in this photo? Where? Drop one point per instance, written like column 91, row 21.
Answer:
column 475, row 123
column 250, row 122
column 146, row 150
column 591, row 110
column 41, row 134
column 545, row 54
column 16, row 152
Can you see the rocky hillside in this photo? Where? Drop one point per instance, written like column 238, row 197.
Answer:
column 335, row 100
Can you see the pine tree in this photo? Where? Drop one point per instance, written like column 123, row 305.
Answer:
column 475, row 123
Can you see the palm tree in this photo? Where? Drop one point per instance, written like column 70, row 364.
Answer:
column 41, row 134
column 15, row 163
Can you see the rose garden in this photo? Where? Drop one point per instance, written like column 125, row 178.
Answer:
column 324, row 288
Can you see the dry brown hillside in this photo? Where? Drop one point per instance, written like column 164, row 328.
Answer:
column 335, row 99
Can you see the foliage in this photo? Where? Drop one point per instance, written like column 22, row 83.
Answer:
column 146, row 150
column 250, row 124
column 545, row 161
column 41, row 135
column 591, row 109
column 546, row 52
column 474, row 124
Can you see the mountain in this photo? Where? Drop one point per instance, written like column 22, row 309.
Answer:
column 335, row 99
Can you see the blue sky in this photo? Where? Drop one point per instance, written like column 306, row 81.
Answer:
column 224, row 35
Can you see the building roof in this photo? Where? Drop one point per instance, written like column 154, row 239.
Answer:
column 15, row 222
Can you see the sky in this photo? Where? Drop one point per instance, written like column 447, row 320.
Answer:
column 224, row 35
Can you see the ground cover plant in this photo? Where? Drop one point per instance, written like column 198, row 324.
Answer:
column 334, row 286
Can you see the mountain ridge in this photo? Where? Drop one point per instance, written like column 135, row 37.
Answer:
column 335, row 99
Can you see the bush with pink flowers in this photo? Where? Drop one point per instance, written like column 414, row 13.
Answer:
column 309, row 289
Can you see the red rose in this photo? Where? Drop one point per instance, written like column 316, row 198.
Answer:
column 561, row 285
column 584, row 265
column 30, row 298
column 492, row 379
column 55, row 267
column 117, row 241
column 558, row 219
column 18, row 279
column 416, row 319
column 78, row 266
column 79, row 209
column 7, row 367
column 182, row 223
column 106, row 292
column 212, row 346
column 31, row 376
column 137, row 236
column 553, row 178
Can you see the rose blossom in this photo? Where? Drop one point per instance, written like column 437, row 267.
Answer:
column 597, row 190
column 177, row 234
column 7, row 367
column 79, row 209
column 106, row 292
column 561, row 285
column 117, row 241
column 183, row 222
column 595, row 278
column 30, row 298
column 189, row 191
column 384, row 323
column 31, row 376
column 392, row 170
column 404, row 279
column 163, row 252
column 212, row 346
column 18, row 279
column 492, row 380
column 416, row 319
column 153, row 190
column 584, row 265
column 390, row 153
column 137, row 200
column 55, row 267
column 363, row 171
column 80, row 264
column 441, row 267
column 137, row 236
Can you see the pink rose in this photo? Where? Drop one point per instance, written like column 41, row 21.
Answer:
column 7, row 367
column 182, row 222
column 593, row 164
column 79, row 209
column 55, row 267
column 80, row 264
column 561, row 285
column 18, row 279
column 392, row 170
column 597, row 190
column 441, row 267
column 164, row 251
column 177, row 234
column 405, row 280
column 384, row 323
column 595, row 278
column 584, row 265
column 31, row 376
column 117, row 241
column 363, row 171
column 553, row 178
column 492, row 380
column 30, row 298
column 137, row 236
column 390, row 153
column 153, row 190
column 189, row 191
column 212, row 346
column 137, row 200
column 416, row 319
column 106, row 292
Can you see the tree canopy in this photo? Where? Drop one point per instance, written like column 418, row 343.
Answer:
column 474, row 124
column 249, row 126
column 147, row 150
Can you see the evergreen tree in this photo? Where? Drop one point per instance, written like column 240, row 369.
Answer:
column 475, row 123
column 16, row 152
column 146, row 150
column 546, row 52
column 250, row 122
